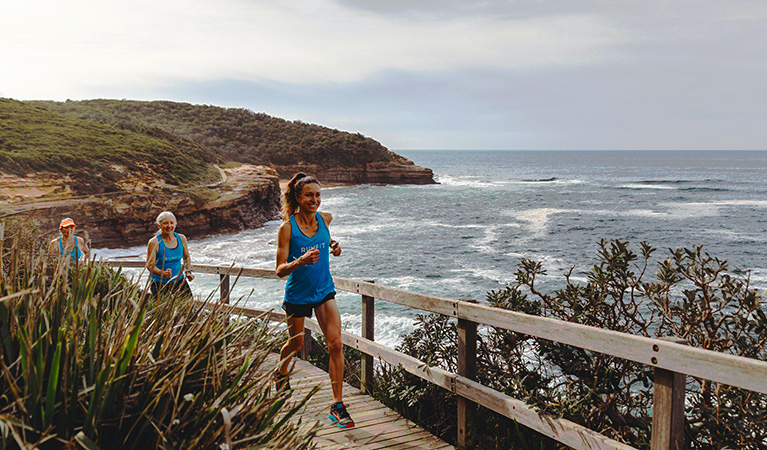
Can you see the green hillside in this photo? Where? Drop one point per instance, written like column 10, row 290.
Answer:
column 237, row 134
column 33, row 138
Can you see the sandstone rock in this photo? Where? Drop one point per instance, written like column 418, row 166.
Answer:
column 400, row 172
column 249, row 198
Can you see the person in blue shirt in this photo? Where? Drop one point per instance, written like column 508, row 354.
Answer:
column 167, row 258
column 67, row 246
column 303, row 254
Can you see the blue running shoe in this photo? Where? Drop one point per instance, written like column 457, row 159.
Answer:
column 340, row 416
column 281, row 382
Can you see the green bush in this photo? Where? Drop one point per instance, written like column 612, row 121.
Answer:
column 235, row 133
column 693, row 296
column 33, row 139
column 87, row 360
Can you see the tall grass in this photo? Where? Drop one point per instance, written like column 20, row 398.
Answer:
column 88, row 361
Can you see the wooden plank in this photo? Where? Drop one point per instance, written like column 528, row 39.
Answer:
column 368, row 332
column 737, row 371
column 562, row 430
column 224, row 288
column 401, row 297
column 375, row 422
column 424, row 443
column 467, row 367
column 668, row 410
column 398, row 437
column 435, row 375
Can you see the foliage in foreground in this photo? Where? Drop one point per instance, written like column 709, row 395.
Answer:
column 88, row 361
column 693, row 296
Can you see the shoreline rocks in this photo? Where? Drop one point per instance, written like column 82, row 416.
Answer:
column 247, row 197
column 401, row 172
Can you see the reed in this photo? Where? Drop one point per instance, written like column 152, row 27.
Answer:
column 89, row 361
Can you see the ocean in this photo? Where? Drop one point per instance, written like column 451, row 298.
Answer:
column 466, row 235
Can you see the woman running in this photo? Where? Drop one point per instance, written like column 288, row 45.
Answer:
column 67, row 245
column 167, row 258
column 303, row 252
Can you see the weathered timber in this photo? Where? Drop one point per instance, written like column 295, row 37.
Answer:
column 368, row 332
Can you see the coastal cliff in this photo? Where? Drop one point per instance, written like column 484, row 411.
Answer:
column 394, row 172
column 248, row 198
column 113, row 165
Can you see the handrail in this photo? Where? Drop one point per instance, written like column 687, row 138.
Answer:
column 666, row 356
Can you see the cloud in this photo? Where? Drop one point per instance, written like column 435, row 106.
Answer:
column 83, row 45
column 595, row 74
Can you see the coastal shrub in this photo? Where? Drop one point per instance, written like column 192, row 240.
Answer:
column 86, row 360
column 693, row 296
column 236, row 133
column 34, row 138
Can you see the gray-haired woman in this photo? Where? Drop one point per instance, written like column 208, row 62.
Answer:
column 167, row 258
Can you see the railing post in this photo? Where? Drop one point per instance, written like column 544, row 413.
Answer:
column 467, row 367
column 306, row 349
column 368, row 332
column 224, row 298
column 668, row 407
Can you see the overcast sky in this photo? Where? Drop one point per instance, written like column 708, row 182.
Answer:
column 429, row 74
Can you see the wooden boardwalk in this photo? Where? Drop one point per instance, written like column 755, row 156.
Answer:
column 376, row 426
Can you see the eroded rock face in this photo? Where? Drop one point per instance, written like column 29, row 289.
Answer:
column 404, row 172
column 249, row 198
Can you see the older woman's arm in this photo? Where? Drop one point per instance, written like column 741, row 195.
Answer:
column 151, row 260
column 187, row 267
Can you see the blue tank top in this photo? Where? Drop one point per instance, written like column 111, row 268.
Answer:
column 169, row 258
column 74, row 254
column 312, row 282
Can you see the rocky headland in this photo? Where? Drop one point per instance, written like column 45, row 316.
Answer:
column 114, row 165
column 248, row 198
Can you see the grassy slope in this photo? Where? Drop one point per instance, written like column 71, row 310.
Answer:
column 33, row 138
column 237, row 134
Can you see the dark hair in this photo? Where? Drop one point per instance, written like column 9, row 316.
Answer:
column 290, row 197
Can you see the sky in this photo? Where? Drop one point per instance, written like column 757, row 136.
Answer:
column 429, row 74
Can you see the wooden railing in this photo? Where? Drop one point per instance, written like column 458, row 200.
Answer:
column 671, row 359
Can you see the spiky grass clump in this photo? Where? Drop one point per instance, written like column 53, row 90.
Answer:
column 86, row 361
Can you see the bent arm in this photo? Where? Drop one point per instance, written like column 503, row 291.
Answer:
column 335, row 247
column 285, row 268
column 151, row 257
column 187, row 266
column 85, row 249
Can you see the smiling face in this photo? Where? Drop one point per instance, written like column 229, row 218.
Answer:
column 67, row 231
column 167, row 226
column 309, row 198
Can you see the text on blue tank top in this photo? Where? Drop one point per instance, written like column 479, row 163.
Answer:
column 169, row 258
column 74, row 254
column 312, row 282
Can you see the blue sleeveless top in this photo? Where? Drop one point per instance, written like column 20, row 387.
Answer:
column 312, row 282
column 74, row 254
column 169, row 258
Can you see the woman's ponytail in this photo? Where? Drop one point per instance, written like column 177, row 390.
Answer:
column 290, row 197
